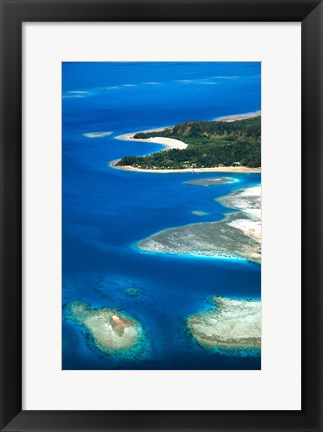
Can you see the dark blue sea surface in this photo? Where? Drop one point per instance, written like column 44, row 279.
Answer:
column 107, row 211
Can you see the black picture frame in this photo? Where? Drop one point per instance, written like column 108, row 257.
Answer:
column 13, row 14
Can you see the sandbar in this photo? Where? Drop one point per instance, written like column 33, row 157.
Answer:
column 168, row 143
column 235, row 117
column 97, row 134
column 199, row 213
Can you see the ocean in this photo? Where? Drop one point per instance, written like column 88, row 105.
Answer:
column 106, row 211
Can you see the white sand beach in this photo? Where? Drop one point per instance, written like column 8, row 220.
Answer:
column 229, row 169
column 169, row 143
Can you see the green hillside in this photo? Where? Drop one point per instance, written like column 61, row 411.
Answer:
column 210, row 144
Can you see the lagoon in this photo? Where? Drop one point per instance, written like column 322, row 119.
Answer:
column 106, row 212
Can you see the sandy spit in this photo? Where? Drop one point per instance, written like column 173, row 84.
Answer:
column 235, row 117
column 169, row 143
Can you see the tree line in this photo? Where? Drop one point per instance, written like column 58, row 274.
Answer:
column 210, row 144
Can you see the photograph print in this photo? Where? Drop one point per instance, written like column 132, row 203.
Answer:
column 161, row 215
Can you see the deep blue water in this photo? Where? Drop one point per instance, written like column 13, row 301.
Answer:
column 106, row 211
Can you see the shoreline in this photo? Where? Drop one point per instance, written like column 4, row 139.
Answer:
column 170, row 143
column 235, row 117
column 240, row 169
column 231, row 325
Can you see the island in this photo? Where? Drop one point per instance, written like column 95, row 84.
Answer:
column 238, row 235
column 200, row 145
column 110, row 330
column 233, row 325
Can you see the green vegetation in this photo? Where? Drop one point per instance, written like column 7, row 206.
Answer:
column 210, row 144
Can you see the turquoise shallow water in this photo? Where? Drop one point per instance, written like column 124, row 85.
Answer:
column 107, row 211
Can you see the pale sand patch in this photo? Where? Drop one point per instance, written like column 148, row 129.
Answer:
column 97, row 134
column 249, row 227
column 199, row 213
column 254, row 214
column 236, row 117
column 248, row 202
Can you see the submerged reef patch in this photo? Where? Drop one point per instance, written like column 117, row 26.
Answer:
column 110, row 330
column 210, row 181
column 133, row 291
column 233, row 325
column 238, row 235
